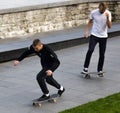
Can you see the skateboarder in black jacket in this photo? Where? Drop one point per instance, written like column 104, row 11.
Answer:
column 49, row 62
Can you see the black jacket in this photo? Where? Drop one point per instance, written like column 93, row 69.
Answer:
column 49, row 59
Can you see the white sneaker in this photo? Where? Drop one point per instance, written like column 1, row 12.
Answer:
column 85, row 71
column 100, row 74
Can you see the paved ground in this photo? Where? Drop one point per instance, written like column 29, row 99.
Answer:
column 18, row 84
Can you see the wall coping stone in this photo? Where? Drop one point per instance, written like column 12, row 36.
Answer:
column 59, row 3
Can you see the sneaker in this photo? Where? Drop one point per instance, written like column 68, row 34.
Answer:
column 60, row 92
column 100, row 74
column 85, row 71
column 43, row 97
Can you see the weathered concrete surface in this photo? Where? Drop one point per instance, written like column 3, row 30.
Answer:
column 18, row 85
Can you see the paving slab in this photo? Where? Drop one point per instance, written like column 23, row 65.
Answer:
column 18, row 86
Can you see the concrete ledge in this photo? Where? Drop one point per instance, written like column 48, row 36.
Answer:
column 10, row 50
column 41, row 5
column 13, row 54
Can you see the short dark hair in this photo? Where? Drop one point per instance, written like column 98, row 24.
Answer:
column 103, row 4
column 36, row 42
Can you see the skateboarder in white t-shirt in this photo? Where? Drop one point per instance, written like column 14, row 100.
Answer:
column 101, row 19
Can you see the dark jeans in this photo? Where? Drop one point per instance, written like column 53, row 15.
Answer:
column 42, row 78
column 102, row 47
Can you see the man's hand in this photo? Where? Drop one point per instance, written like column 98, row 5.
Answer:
column 107, row 15
column 16, row 62
column 49, row 72
column 86, row 34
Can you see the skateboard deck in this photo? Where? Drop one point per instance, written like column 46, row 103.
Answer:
column 52, row 99
column 88, row 75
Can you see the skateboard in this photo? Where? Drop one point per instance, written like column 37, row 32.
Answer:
column 52, row 99
column 88, row 75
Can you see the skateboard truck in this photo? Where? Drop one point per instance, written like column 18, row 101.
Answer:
column 88, row 75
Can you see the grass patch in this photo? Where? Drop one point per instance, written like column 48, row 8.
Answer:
column 110, row 104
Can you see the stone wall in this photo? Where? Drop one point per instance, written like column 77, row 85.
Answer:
column 50, row 19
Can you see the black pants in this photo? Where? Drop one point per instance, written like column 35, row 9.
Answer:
column 102, row 47
column 42, row 78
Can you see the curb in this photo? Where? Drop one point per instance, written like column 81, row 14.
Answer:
column 13, row 54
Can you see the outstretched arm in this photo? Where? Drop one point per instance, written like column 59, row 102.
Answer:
column 27, row 52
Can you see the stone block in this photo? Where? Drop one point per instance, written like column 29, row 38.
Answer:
column 49, row 19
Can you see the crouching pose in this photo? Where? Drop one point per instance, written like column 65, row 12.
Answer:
column 49, row 62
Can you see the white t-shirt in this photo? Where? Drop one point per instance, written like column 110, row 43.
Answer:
column 99, row 28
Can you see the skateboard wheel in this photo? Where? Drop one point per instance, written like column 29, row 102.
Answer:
column 39, row 105
column 54, row 100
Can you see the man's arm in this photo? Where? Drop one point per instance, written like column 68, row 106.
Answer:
column 55, row 65
column 87, row 28
column 27, row 52
column 109, row 23
column 53, row 68
column 56, row 61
